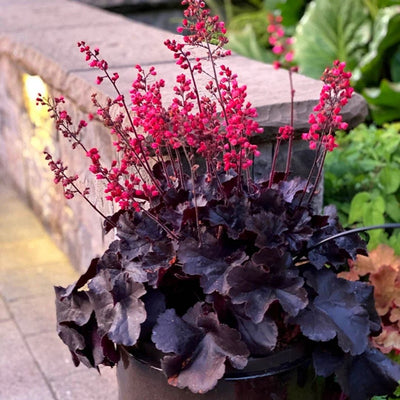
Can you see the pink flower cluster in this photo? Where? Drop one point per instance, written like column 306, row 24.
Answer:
column 211, row 125
column 202, row 28
column 67, row 182
column 335, row 94
column 281, row 44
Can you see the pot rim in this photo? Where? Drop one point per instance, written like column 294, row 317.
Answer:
column 257, row 367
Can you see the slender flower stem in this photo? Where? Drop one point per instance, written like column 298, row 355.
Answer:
column 77, row 190
column 274, row 160
column 319, row 174
column 290, row 144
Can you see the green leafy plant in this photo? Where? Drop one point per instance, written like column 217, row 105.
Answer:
column 366, row 34
column 362, row 179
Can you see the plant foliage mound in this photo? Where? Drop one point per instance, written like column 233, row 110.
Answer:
column 209, row 266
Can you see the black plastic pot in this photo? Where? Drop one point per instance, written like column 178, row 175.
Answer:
column 264, row 378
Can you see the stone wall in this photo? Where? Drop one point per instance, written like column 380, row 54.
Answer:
column 38, row 38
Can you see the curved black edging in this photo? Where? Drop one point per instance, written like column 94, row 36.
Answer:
column 349, row 232
column 258, row 367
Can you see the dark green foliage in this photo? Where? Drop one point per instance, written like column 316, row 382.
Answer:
column 362, row 179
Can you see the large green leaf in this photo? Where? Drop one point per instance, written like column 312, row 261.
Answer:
column 245, row 42
column 291, row 10
column 386, row 34
column 329, row 30
column 395, row 65
column 384, row 101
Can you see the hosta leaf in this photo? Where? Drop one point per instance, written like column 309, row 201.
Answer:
column 386, row 33
column 330, row 30
column 290, row 11
column 245, row 42
column 337, row 311
column 384, row 101
column 395, row 65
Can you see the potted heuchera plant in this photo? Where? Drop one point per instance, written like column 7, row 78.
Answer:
column 211, row 270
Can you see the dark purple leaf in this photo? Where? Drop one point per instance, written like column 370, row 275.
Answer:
column 83, row 279
column 111, row 259
column 154, row 302
column 199, row 362
column 299, row 230
column 260, row 338
column 270, row 200
column 200, row 372
column 118, row 310
column 289, row 189
column 334, row 252
column 336, row 312
column 74, row 307
column 232, row 216
column 326, row 359
column 268, row 227
column 173, row 335
column 211, row 261
column 369, row 374
column 256, row 288
column 146, row 268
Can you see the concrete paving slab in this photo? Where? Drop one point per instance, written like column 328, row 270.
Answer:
column 17, row 222
column 34, row 315
column 20, row 283
column 52, row 355
column 20, row 378
column 28, row 254
column 34, row 363
column 4, row 314
column 88, row 385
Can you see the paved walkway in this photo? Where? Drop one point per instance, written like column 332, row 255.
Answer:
column 34, row 363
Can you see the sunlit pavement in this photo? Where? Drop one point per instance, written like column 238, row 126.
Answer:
column 34, row 363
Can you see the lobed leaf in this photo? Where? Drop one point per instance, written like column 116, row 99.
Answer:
column 201, row 346
column 331, row 30
column 118, row 310
column 257, row 288
column 340, row 309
